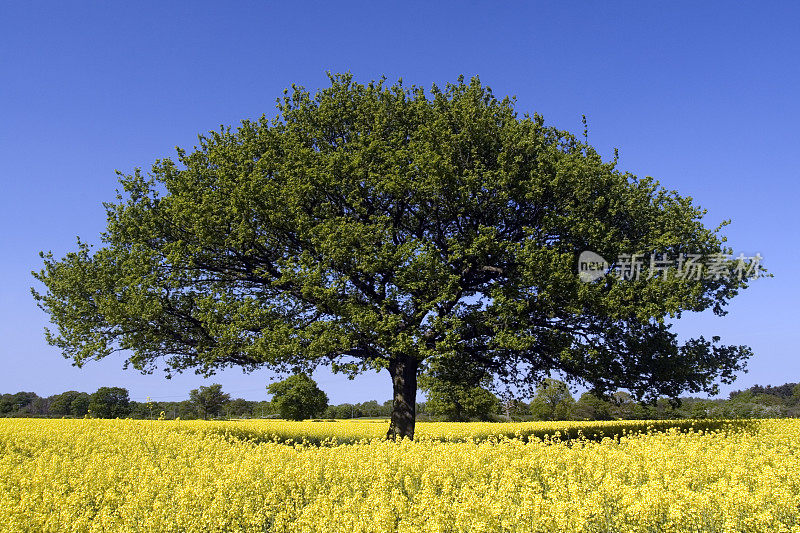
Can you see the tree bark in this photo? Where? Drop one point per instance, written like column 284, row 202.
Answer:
column 403, row 370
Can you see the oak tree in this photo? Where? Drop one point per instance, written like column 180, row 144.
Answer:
column 381, row 226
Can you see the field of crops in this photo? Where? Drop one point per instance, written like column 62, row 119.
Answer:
column 125, row 475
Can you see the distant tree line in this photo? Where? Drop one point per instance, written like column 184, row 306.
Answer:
column 553, row 401
column 115, row 402
column 300, row 398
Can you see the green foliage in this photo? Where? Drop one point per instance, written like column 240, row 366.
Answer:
column 383, row 226
column 625, row 407
column 591, row 407
column 742, row 405
column 17, row 402
column 209, row 400
column 515, row 409
column 185, row 410
column 783, row 392
column 701, row 409
column 458, row 389
column 458, row 402
column 240, row 408
column 110, row 402
column 70, row 403
column 60, row 403
column 298, row 397
column 664, row 409
column 80, row 405
column 552, row 401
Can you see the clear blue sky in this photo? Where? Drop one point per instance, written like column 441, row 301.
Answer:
column 702, row 96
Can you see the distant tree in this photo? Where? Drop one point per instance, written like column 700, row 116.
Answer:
column 266, row 409
column 458, row 389
column 622, row 405
column 552, row 401
column 701, row 409
column 110, row 402
column 6, row 404
column 240, row 408
column 148, row 409
column 137, row 409
column 171, row 410
column 458, row 402
column 514, row 408
column 17, row 402
column 298, row 397
column 332, row 412
column 80, row 404
column 664, row 409
column 38, row 406
column 749, row 404
column 591, row 407
column 795, row 399
column 769, row 399
column 186, row 410
column 784, row 392
column 348, row 410
column 371, row 409
column 59, row 407
column 61, row 404
column 209, row 400
column 625, row 407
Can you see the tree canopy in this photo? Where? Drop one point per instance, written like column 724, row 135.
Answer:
column 298, row 397
column 457, row 402
column 209, row 399
column 72, row 403
column 553, row 401
column 380, row 226
column 109, row 402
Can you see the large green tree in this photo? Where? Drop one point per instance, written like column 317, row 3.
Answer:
column 381, row 226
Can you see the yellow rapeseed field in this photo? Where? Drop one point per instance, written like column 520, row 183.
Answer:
column 126, row 475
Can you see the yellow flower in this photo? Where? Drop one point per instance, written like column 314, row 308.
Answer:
column 196, row 476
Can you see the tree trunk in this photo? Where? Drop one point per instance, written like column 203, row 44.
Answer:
column 403, row 370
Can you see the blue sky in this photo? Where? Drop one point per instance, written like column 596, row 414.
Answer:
column 702, row 96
